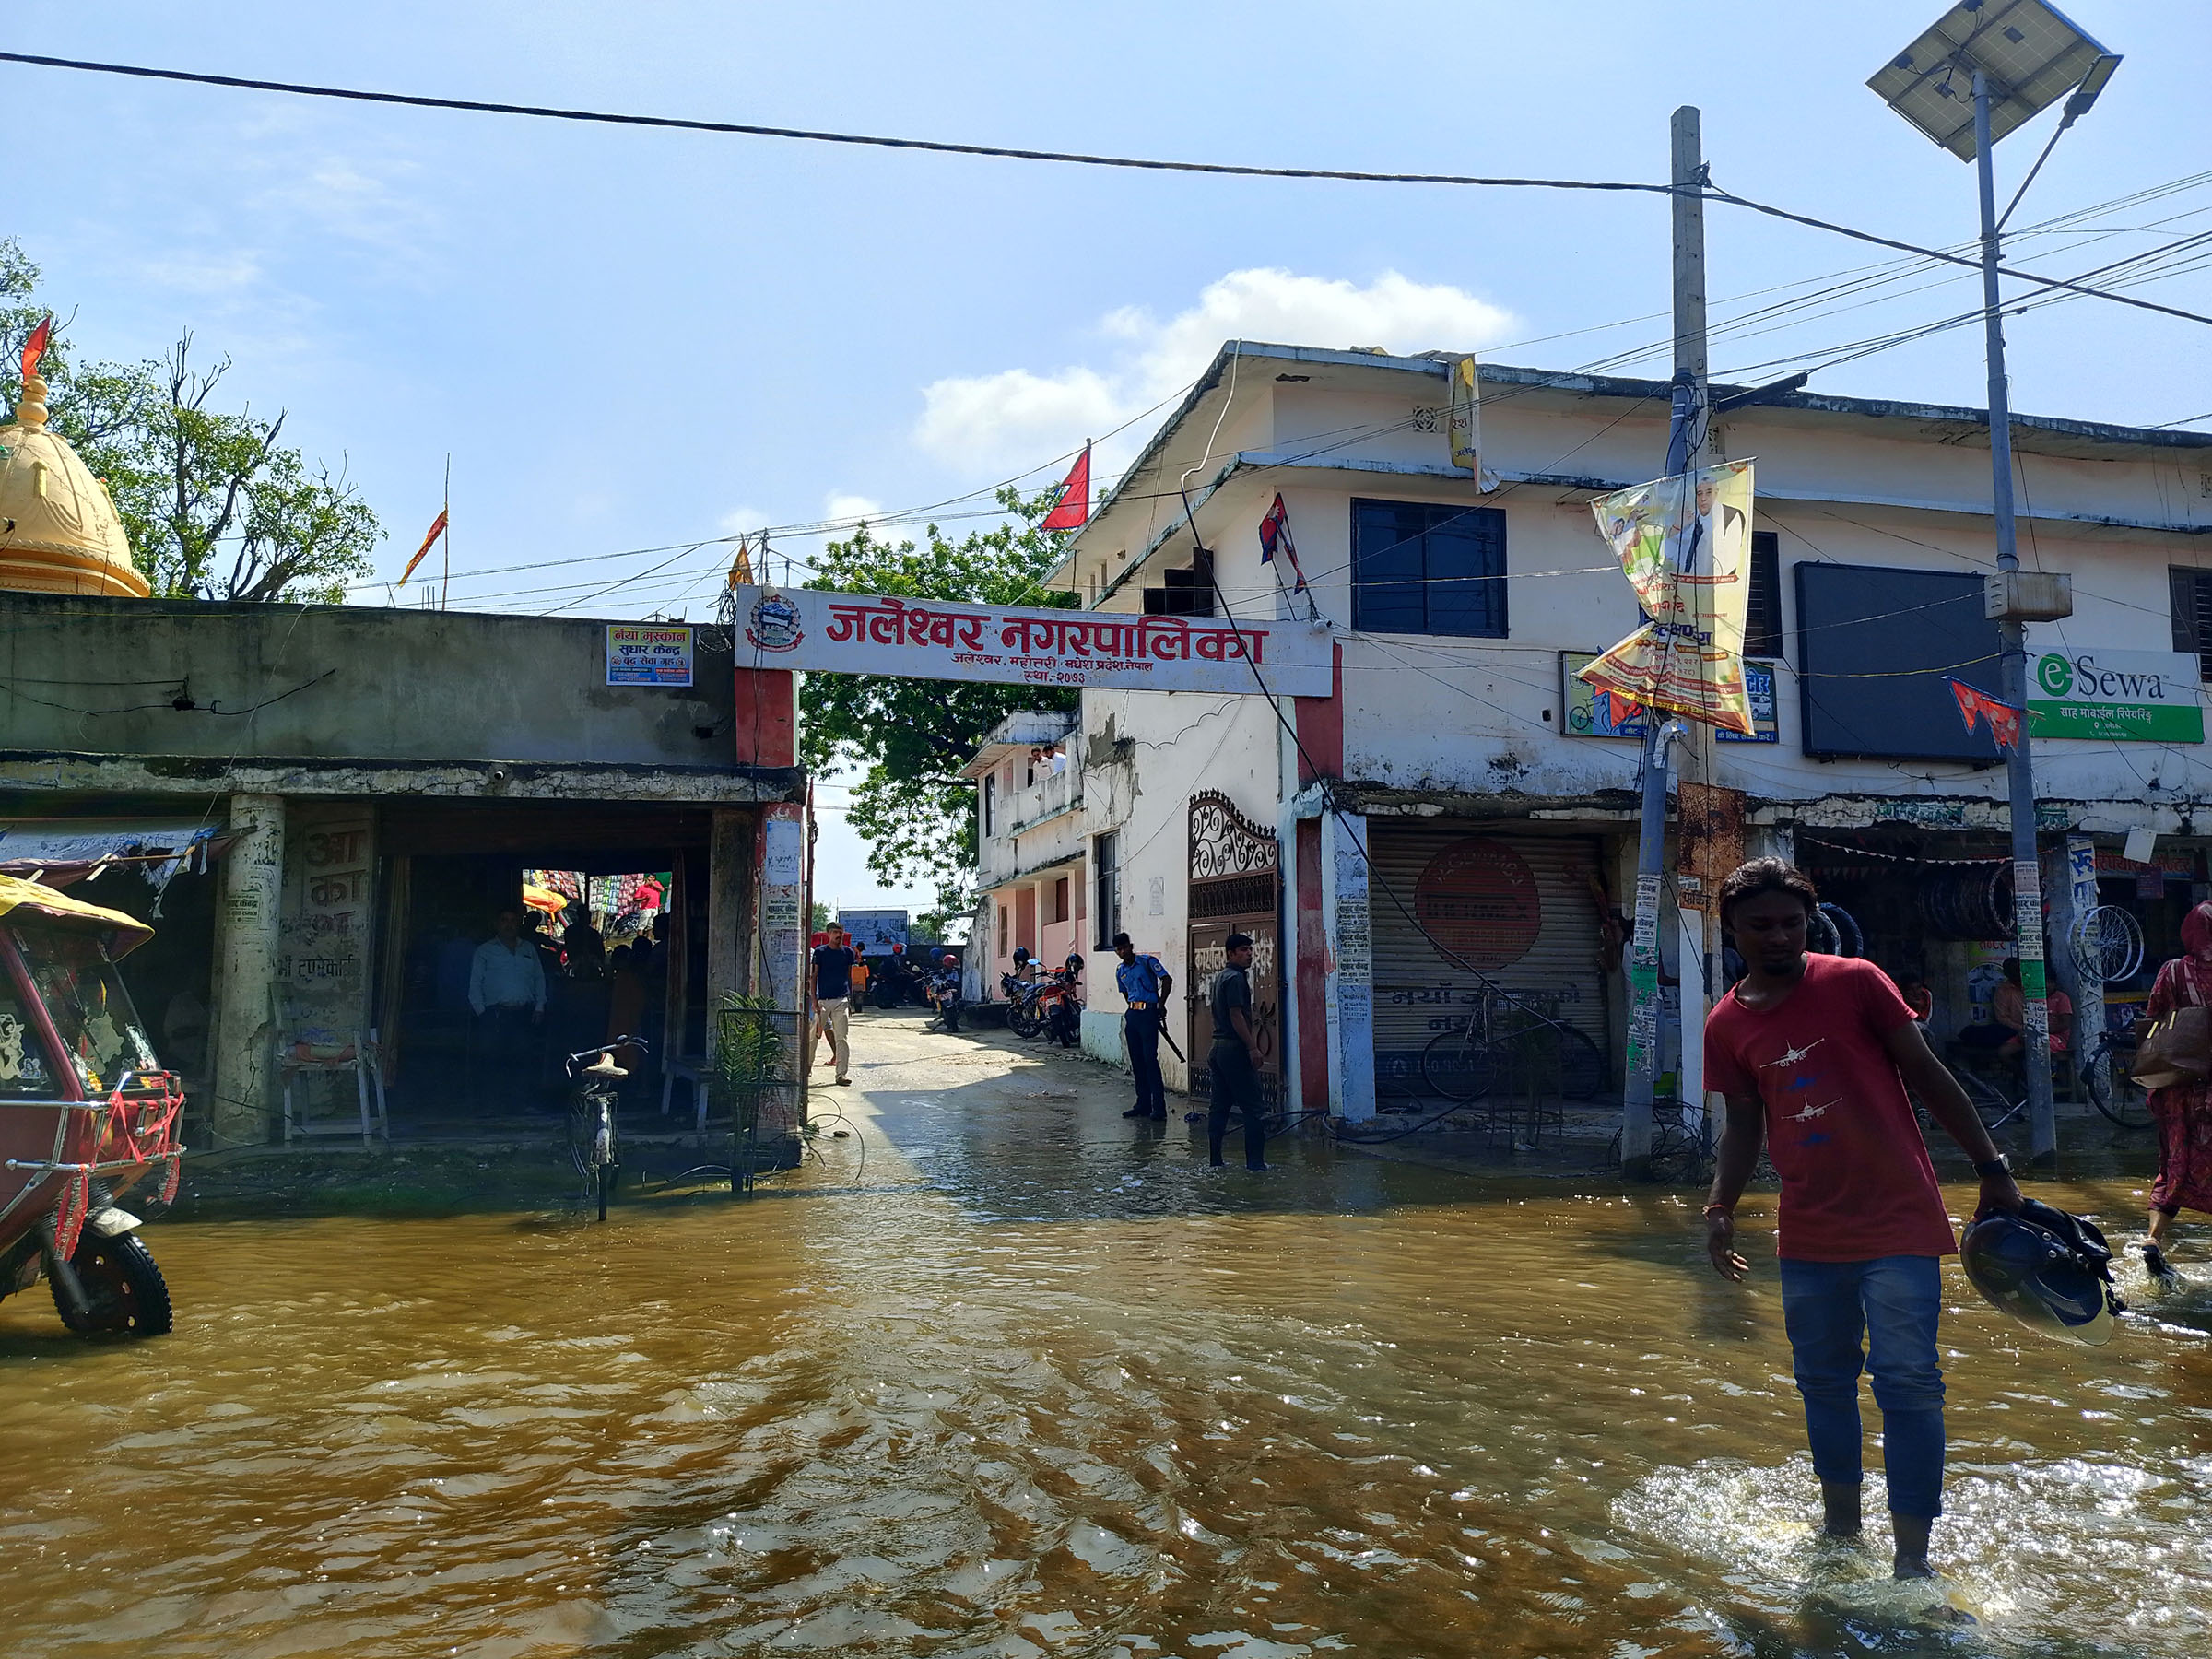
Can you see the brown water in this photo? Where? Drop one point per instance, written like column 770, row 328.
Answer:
column 1035, row 1384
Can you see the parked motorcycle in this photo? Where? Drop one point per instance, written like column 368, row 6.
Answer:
column 86, row 1114
column 1046, row 1005
column 944, row 993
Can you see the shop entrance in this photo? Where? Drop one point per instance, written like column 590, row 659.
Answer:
column 450, row 873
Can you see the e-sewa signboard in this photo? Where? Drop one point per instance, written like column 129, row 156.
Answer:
column 2124, row 696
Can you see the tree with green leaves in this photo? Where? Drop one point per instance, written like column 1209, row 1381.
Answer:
column 905, row 741
column 214, row 505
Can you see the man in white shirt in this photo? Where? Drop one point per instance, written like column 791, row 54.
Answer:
column 507, row 989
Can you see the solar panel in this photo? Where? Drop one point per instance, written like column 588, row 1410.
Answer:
column 2032, row 53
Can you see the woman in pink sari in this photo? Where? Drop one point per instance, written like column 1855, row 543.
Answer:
column 2183, row 1112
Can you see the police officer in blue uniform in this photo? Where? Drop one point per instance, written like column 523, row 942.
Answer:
column 1145, row 984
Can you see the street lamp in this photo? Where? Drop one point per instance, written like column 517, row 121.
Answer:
column 1984, row 70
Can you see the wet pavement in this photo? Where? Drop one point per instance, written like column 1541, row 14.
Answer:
column 1004, row 1374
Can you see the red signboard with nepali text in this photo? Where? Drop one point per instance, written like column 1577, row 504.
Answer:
column 860, row 633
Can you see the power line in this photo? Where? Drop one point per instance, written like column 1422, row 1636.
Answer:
column 1070, row 158
column 743, row 129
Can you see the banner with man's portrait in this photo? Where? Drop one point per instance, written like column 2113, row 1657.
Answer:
column 1684, row 543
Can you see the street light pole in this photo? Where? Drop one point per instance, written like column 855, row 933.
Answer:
column 2027, row 876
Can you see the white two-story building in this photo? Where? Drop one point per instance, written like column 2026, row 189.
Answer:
column 1459, row 811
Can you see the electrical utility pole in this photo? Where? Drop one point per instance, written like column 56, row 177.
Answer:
column 1684, row 440
column 2026, row 871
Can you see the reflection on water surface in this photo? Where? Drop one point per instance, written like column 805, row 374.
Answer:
column 1015, row 1394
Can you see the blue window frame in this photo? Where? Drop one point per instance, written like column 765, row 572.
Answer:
column 1429, row 568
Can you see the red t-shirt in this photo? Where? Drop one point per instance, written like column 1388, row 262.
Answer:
column 1856, row 1183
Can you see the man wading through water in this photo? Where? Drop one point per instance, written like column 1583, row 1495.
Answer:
column 1815, row 1054
column 1235, row 1058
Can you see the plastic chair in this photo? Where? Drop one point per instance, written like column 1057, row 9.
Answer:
column 361, row 1058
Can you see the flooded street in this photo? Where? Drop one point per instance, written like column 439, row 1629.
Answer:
column 1008, row 1375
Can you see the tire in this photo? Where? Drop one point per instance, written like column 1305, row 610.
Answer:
column 1024, row 1020
column 1457, row 1070
column 1582, row 1070
column 2116, row 1094
column 124, row 1284
column 1850, row 940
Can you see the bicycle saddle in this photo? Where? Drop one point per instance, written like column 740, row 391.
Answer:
column 604, row 1067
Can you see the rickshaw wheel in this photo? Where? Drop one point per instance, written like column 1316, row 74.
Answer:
column 124, row 1285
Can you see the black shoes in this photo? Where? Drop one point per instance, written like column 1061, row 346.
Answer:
column 2158, row 1267
column 1137, row 1112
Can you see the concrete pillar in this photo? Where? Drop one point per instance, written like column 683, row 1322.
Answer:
column 248, row 941
column 1350, row 997
column 729, row 881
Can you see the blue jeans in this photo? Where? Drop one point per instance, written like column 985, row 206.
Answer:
column 1890, row 1304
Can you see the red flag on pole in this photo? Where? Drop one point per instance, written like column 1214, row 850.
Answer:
column 1072, row 512
column 1975, row 704
column 1274, row 537
column 35, row 347
column 429, row 541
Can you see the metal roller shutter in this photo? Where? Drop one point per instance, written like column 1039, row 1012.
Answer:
column 1516, row 905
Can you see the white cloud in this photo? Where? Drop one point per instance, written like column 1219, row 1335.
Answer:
column 1019, row 417
column 742, row 520
column 839, row 506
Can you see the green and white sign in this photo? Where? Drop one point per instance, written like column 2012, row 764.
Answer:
column 2131, row 696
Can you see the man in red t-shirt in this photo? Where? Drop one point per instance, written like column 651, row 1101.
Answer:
column 1814, row 1055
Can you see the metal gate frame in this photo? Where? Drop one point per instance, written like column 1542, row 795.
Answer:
column 1235, row 872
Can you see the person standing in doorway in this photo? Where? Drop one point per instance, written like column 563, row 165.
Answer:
column 2182, row 1113
column 1813, row 1054
column 832, row 998
column 507, row 992
column 1235, row 1057
column 1145, row 984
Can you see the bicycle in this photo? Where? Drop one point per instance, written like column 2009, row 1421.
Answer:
column 2111, row 1090
column 593, row 1147
column 1494, row 1047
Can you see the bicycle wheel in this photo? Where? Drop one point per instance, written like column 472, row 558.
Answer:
column 2112, row 1091
column 1457, row 1067
column 2107, row 943
column 1582, row 1070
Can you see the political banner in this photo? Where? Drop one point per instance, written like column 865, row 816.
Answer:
column 1684, row 542
column 825, row 632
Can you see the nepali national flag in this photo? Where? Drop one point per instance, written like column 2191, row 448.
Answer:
column 1275, row 535
column 1974, row 704
column 429, row 541
column 1072, row 512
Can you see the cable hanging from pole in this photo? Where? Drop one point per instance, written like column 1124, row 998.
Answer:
column 1065, row 158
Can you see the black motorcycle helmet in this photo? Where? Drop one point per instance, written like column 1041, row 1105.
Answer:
column 1075, row 961
column 2050, row 1271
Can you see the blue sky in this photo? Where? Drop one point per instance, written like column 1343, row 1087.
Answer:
column 631, row 339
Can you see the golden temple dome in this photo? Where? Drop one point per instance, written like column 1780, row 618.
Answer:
column 59, row 532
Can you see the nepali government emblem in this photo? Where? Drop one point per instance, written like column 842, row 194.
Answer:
column 775, row 623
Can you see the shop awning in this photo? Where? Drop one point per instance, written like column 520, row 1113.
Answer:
column 67, row 849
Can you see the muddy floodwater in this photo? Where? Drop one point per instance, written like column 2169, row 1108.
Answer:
column 1031, row 1380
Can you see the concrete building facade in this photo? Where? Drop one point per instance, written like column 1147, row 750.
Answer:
column 1458, row 814
column 363, row 789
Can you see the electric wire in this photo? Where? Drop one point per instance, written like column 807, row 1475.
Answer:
column 1071, row 158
